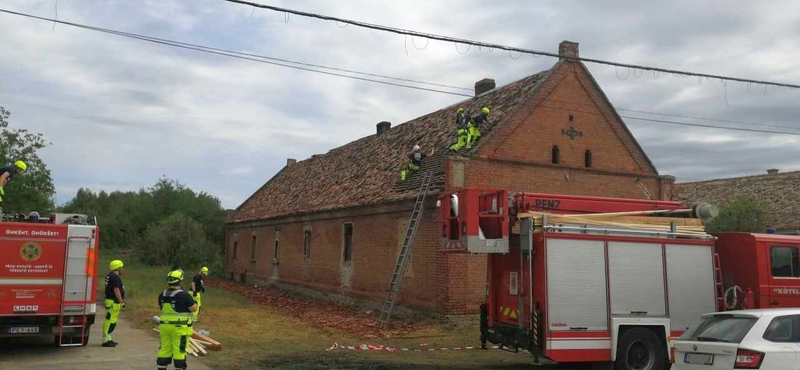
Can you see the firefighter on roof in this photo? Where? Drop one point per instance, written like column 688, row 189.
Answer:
column 462, row 130
column 198, row 290
column 416, row 158
column 175, row 325
column 7, row 173
column 114, row 302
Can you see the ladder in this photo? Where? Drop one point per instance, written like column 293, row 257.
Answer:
column 720, row 287
column 75, row 289
column 405, row 252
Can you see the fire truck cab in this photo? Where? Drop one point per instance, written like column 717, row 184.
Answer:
column 47, row 277
column 577, row 293
column 760, row 270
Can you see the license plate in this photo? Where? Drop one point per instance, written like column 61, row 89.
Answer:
column 23, row 330
column 698, row 359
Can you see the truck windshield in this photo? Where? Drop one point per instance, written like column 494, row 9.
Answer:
column 719, row 328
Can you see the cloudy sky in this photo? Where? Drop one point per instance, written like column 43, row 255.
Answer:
column 122, row 112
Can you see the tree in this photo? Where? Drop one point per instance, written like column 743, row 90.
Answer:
column 34, row 189
column 744, row 214
column 179, row 240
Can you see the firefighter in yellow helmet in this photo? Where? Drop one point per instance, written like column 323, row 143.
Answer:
column 114, row 302
column 473, row 133
column 198, row 289
column 7, row 173
column 175, row 325
column 462, row 130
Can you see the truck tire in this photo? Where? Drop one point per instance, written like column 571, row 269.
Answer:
column 640, row 349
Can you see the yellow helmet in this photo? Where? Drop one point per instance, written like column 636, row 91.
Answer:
column 485, row 110
column 175, row 277
column 21, row 165
column 204, row 270
column 115, row 265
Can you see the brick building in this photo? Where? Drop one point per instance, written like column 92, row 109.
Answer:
column 336, row 221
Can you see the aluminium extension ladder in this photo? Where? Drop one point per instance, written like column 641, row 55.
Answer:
column 405, row 252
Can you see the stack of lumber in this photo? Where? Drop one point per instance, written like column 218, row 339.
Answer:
column 199, row 343
column 643, row 220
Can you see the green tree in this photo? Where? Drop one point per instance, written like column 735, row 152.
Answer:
column 178, row 240
column 34, row 189
column 744, row 214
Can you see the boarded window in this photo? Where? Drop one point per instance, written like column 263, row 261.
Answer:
column 253, row 244
column 307, row 245
column 785, row 262
column 555, row 154
column 347, row 250
column 587, row 159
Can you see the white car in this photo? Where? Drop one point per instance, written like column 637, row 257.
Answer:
column 749, row 339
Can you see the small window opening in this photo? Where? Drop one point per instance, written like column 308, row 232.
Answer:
column 347, row 254
column 587, row 159
column 253, row 243
column 570, row 118
column 555, row 154
column 307, row 245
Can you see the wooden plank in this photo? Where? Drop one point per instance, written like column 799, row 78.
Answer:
column 213, row 344
column 199, row 347
column 209, row 343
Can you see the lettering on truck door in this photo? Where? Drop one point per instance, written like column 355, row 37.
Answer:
column 784, row 276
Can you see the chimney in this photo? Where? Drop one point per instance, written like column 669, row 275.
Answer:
column 772, row 171
column 384, row 126
column 568, row 49
column 484, row 85
column 290, row 162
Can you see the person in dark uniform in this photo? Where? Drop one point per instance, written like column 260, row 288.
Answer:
column 114, row 302
column 7, row 173
column 198, row 290
column 175, row 323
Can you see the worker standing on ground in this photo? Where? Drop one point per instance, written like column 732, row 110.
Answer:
column 416, row 158
column 7, row 173
column 175, row 325
column 114, row 302
column 198, row 289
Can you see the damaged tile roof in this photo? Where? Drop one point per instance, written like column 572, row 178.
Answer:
column 366, row 171
column 779, row 191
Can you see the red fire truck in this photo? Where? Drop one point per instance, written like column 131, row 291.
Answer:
column 604, row 294
column 47, row 277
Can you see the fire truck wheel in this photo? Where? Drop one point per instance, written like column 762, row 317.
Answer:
column 640, row 349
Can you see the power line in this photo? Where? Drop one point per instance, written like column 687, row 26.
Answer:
column 254, row 57
column 223, row 53
column 707, row 118
column 401, row 31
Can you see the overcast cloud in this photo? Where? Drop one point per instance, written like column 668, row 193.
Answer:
column 121, row 112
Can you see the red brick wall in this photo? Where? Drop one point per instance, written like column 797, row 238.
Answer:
column 376, row 242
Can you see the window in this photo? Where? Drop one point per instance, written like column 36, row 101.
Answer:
column 307, row 245
column 719, row 328
column 555, row 154
column 253, row 243
column 347, row 253
column 782, row 329
column 587, row 159
column 277, row 250
column 785, row 262
column 235, row 249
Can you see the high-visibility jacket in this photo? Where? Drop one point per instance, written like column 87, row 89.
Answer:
column 168, row 313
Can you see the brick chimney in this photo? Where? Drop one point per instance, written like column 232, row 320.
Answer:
column 290, row 162
column 568, row 49
column 772, row 171
column 383, row 127
column 484, row 85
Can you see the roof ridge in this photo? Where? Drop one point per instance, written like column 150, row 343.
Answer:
column 779, row 174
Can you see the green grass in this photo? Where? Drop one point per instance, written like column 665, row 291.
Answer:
column 257, row 336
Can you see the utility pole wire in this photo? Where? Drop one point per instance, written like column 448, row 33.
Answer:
column 431, row 36
column 237, row 55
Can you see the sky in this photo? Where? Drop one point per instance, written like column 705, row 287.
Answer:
column 121, row 113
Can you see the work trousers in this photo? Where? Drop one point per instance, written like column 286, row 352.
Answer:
column 110, row 322
column 174, row 343
column 198, row 298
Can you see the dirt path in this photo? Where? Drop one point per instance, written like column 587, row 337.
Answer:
column 137, row 350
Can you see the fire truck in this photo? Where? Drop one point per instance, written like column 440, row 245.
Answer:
column 47, row 277
column 603, row 293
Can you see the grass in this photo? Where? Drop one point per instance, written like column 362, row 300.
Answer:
column 259, row 336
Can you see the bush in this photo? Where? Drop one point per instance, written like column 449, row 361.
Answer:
column 178, row 241
column 744, row 214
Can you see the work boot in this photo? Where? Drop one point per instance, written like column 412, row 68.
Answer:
column 109, row 344
column 115, row 343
